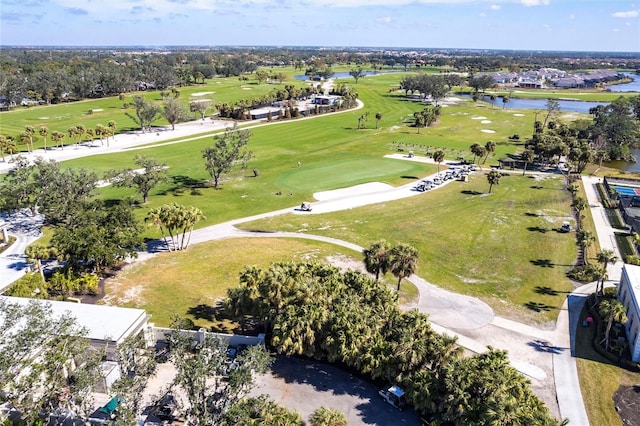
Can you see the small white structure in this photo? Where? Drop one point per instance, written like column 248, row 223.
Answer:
column 629, row 295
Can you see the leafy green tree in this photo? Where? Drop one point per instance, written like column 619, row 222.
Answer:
column 174, row 112
column 324, row 416
column 611, row 310
column 493, row 177
column 579, row 204
column 357, row 73
column 438, row 157
column 362, row 119
column 230, row 149
column 403, row 261
column 150, row 173
column 376, row 258
column 36, row 361
column 204, row 371
column 99, row 236
column 261, row 75
column 7, row 146
column 146, row 113
column 201, row 106
column 30, row 285
column 420, row 120
column 481, row 83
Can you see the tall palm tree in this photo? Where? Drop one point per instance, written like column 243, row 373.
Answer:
column 7, row 146
column 438, row 156
column 490, row 147
column 403, row 261
column 494, row 178
column 29, row 131
column 612, row 310
column 604, row 256
column 378, row 118
column 112, row 128
column 376, row 258
column 58, row 138
column 44, row 132
column 527, row 157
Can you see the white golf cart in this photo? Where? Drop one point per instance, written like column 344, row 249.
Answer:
column 394, row 395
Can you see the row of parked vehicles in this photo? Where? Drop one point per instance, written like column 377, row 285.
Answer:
column 459, row 173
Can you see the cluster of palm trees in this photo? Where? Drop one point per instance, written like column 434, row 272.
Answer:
column 176, row 223
column 76, row 133
column 318, row 311
column 483, row 152
column 401, row 260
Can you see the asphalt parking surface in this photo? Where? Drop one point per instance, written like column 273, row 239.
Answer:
column 305, row 385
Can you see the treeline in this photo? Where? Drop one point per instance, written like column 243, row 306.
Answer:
column 317, row 311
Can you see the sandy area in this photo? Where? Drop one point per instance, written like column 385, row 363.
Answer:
column 487, row 131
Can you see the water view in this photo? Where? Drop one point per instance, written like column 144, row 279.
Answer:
column 633, row 86
column 541, row 104
column 337, row 75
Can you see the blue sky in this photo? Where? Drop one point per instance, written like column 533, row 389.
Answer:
column 581, row 25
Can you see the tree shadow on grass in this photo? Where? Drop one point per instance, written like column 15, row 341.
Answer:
column 545, row 263
column 532, row 214
column 467, row 192
column 538, row 307
column 537, row 229
column 547, row 291
column 205, row 312
column 409, row 177
column 182, row 183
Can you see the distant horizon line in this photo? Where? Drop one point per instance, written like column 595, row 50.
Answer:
column 307, row 47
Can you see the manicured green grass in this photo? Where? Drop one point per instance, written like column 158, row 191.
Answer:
column 192, row 283
column 500, row 247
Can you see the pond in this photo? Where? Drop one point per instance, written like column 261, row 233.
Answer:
column 541, row 104
column 337, row 75
column 626, row 166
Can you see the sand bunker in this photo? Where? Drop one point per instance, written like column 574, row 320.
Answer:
column 518, row 115
column 43, row 118
column 97, row 110
column 478, row 118
column 202, row 93
column 246, row 88
column 365, row 188
column 487, row 131
column 486, row 121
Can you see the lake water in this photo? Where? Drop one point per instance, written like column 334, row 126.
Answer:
column 541, row 104
column 336, row 75
column 634, row 86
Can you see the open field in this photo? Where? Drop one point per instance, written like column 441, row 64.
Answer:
column 192, row 283
column 501, row 247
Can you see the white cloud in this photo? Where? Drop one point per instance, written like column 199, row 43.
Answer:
column 483, row 15
column 535, row 2
column 548, row 28
column 495, row 7
column 384, row 20
column 572, row 16
column 628, row 14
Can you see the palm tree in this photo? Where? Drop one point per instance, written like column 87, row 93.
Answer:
column 604, row 256
column 112, row 128
column 6, row 146
column 44, row 132
column 527, row 157
column 25, row 138
column 438, row 156
column 490, row 147
column 585, row 239
column 29, row 131
column 611, row 310
column 494, row 178
column 376, row 258
column 80, row 132
column 58, row 138
column 36, row 253
column 403, row 261
column 99, row 131
column 474, row 150
column 378, row 118
column 327, row 417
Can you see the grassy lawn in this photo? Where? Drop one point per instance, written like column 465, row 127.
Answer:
column 500, row 247
column 192, row 283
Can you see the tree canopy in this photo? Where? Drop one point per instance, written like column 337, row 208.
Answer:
column 230, row 149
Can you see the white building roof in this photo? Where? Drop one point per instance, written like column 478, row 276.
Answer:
column 106, row 323
column 633, row 272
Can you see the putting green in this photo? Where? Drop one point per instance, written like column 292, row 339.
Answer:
column 339, row 174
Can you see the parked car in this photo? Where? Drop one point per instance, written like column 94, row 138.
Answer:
column 394, row 395
column 305, row 207
column 566, row 227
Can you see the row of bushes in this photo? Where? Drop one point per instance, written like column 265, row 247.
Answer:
column 607, row 202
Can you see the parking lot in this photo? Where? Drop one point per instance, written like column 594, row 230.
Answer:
column 305, row 385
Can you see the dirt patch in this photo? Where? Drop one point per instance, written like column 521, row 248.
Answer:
column 627, row 400
column 346, row 263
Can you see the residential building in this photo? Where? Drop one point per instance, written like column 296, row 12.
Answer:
column 629, row 295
